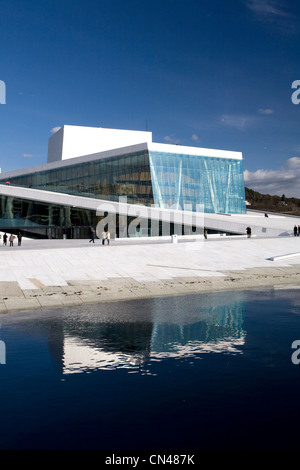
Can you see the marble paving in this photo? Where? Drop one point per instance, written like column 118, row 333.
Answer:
column 65, row 272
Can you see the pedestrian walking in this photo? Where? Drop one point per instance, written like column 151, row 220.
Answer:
column 19, row 238
column 92, row 236
column 11, row 240
column 5, row 239
column 107, row 237
column 295, row 230
column 248, row 230
column 298, row 233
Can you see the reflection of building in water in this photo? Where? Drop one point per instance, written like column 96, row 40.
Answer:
column 110, row 345
column 221, row 331
column 129, row 344
column 80, row 355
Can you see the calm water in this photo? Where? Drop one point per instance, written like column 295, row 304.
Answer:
column 209, row 371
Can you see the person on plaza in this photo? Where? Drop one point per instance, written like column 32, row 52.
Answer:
column 19, row 238
column 103, row 236
column 298, row 231
column 11, row 240
column 92, row 236
column 295, row 230
column 107, row 237
column 248, row 230
column 5, row 239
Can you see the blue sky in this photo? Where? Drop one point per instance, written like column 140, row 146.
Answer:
column 214, row 74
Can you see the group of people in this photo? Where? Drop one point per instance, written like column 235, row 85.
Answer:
column 11, row 239
column 296, row 230
column 104, row 236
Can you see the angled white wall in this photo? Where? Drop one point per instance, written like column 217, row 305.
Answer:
column 55, row 146
column 75, row 141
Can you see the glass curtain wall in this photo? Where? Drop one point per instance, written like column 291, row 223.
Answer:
column 187, row 182
column 177, row 181
column 108, row 179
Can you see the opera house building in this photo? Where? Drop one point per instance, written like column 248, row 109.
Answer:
column 93, row 173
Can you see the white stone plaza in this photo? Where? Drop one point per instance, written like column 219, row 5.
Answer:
column 54, row 273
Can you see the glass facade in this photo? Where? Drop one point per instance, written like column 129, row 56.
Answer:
column 108, row 179
column 181, row 181
column 168, row 180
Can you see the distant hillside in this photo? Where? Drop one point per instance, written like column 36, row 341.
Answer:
column 265, row 202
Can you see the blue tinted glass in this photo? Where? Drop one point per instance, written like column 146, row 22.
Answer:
column 211, row 184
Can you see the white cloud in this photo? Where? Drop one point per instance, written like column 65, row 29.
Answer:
column 239, row 122
column 274, row 12
column 170, row 139
column 27, row 155
column 195, row 138
column 285, row 180
column 293, row 162
column 266, row 112
column 267, row 8
column 55, row 129
column 244, row 121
